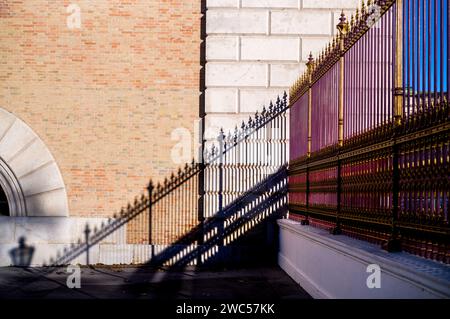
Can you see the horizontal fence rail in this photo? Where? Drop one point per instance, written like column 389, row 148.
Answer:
column 377, row 168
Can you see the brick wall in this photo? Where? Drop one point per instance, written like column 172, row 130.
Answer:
column 104, row 98
column 255, row 49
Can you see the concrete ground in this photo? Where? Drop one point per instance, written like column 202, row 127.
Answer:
column 265, row 283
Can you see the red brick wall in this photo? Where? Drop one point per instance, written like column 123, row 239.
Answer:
column 106, row 97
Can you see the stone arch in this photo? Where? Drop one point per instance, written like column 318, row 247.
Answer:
column 29, row 174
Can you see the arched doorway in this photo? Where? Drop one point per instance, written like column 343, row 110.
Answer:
column 13, row 194
column 30, row 178
column 4, row 207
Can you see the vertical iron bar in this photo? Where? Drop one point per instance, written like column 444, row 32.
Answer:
column 341, row 91
column 87, row 231
column 365, row 82
column 407, row 40
column 360, row 88
column 423, row 57
column 393, row 243
column 435, row 48
column 370, row 77
column 414, row 57
column 398, row 63
column 354, row 91
column 342, row 28
column 150, row 204
column 441, row 44
column 448, row 52
column 418, row 67
column 221, row 164
column 309, row 74
column 430, row 53
column 385, row 68
column 377, row 56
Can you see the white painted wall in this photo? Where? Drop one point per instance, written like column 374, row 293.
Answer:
column 50, row 235
column 256, row 49
column 328, row 266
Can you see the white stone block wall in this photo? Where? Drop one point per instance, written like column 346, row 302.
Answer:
column 256, row 49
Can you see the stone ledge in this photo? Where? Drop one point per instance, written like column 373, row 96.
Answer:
column 403, row 275
column 299, row 277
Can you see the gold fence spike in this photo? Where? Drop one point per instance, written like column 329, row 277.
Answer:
column 342, row 26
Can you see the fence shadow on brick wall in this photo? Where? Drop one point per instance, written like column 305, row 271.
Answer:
column 141, row 206
column 261, row 204
column 198, row 195
column 220, row 212
column 243, row 234
column 264, row 201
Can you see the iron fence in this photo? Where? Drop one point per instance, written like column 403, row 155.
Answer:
column 190, row 216
column 379, row 171
column 239, row 160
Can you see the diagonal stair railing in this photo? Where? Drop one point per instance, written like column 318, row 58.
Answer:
column 188, row 201
column 264, row 201
column 241, row 160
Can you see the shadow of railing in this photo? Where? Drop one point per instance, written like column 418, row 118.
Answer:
column 126, row 215
column 263, row 204
column 207, row 200
column 266, row 200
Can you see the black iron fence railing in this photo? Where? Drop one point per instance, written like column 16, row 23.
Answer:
column 240, row 160
column 368, row 151
column 241, row 182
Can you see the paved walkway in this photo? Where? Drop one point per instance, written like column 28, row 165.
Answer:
column 269, row 283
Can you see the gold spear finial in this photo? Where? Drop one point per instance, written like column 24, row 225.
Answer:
column 310, row 62
column 342, row 26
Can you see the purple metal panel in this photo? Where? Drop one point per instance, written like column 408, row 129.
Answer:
column 324, row 113
column 368, row 79
column 299, row 128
